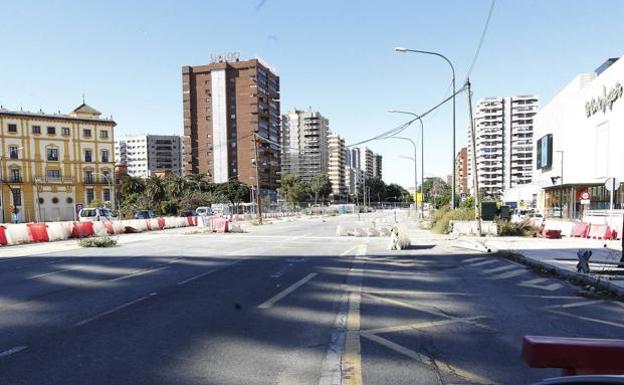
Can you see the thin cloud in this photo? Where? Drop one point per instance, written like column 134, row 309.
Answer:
column 260, row 4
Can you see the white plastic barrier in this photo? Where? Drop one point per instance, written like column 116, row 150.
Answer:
column 471, row 228
column 565, row 227
column 118, row 227
column 99, row 229
column 153, row 224
column 17, row 233
column 58, row 231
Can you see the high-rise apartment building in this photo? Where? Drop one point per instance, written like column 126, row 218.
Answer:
column 146, row 154
column 336, row 165
column 55, row 163
column 225, row 103
column 368, row 162
column 304, row 143
column 461, row 170
column 504, row 134
column 356, row 158
column 377, row 166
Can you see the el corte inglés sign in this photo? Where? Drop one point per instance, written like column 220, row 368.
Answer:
column 604, row 101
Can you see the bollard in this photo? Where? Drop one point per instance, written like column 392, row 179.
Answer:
column 583, row 265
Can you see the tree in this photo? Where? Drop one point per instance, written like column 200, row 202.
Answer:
column 437, row 192
column 320, row 186
column 376, row 187
column 193, row 199
column 154, row 190
column 176, row 186
column 292, row 189
column 235, row 192
column 131, row 185
column 395, row 193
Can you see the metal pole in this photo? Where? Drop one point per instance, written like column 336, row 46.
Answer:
column 2, row 188
column 258, row 201
column 474, row 161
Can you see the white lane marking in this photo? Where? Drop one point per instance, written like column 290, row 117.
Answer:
column 185, row 281
column 488, row 262
column 444, row 366
column 510, row 274
column 574, row 304
column 267, row 304
column 590, row 319
column 549, row 296
column 473, row 259
column 11, row 351
column 420, row 325
column 349, row 250
column 539, row 283
column 116, row 308
column 499, row 269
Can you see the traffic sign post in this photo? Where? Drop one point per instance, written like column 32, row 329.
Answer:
column 612, row 184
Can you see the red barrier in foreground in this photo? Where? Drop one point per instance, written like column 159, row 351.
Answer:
column 599, row 232
column 189, row 221
column 109, row 227
column 219, row 224
column 3, row 238
column 580, row 229
column 161, row 223
column 38, row 232
column 82, row 230
column 574, row 355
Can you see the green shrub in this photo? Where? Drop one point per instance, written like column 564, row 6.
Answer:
column 516, row 229
column 97, row 242
column 443, row 216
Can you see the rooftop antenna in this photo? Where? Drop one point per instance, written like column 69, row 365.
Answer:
column 83, row 98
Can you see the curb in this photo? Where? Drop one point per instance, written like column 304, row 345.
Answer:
column 571, row 276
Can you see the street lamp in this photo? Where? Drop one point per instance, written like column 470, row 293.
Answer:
column 422, row 157
column 405, row 50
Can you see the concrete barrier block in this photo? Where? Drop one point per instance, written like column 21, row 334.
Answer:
column 17, row 234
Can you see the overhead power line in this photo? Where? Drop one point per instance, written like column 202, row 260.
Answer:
column 483, row 33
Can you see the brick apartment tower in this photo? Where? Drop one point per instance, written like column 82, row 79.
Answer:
column 225, row 102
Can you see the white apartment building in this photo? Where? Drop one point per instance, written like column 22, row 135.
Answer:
column 304, row 143
column 368, row 162
column 504, row 137
column 145, row 154
column 336, row 165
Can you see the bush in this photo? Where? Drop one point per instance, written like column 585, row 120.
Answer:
column 443, row 216
column 516, row 229
column 97, row 242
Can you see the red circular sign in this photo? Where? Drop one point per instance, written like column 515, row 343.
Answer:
column 585, row 195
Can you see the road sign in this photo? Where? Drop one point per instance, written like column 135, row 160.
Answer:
column 612, row 184
column 462, row 197
column 585, row 201
column 585, row 196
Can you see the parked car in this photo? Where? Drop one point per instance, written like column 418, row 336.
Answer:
column 144, row 214
column 204, row 211
column 188, row 213
column 91, row 214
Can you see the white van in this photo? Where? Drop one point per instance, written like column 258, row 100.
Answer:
column 92, row 214
column 204, row 211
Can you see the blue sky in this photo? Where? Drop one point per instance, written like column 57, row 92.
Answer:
column 334, row 56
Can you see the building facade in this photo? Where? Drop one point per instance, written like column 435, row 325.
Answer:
column 461, row 170
column 304, row 136
column 145, row 155
column 368, row 162
column 377, row 166
column 336, row 166
column 578, row 140
column 54, row 164
column 225, row 104
column 504, row 135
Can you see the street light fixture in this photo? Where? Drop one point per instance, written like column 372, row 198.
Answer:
column 422, row 156
column 405, row 50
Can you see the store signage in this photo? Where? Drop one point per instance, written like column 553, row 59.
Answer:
column 604, row 101
column 224, row 56
column 585, row 195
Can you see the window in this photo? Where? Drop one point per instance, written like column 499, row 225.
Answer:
column 54, row 174
column 36, row 129
column 104, row 156
column 52, row 154
column 13, row 152
column 16, row 175
column 103, row 134
column 89, row 177
column 65, row 131
column 107, row 195
column 86, row 133
column 69, row 200
column 17, row 197
column 88, row 156
column 90, row 195
column 51, row 130
column 55, row 200
column 12, row 127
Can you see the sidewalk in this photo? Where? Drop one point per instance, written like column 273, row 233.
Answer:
column 559, row 256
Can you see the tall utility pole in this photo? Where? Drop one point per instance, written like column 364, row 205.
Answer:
column 561, row 187
column 258, row 201
column 474, row 161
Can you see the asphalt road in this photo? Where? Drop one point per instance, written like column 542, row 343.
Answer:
column 285, row 303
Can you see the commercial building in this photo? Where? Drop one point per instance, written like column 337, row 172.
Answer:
column 377, row 169
column 578, row 143
column 504, row 134
column 145, row 155
column 54, row 164
column 225, row 103
column 304, row 143
column 461, row 170
column 336, row 165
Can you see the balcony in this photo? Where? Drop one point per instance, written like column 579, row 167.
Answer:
column 95, row 180
column 15, row 179
column 54, row 179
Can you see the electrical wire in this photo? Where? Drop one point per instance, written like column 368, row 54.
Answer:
column 483, row 33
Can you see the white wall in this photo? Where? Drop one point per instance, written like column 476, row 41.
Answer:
column 219, row 126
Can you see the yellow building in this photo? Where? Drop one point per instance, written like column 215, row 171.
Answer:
column 54, row 164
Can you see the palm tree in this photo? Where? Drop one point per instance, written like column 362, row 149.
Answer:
column 131, row 185
column 176, row 185
column 154, row 190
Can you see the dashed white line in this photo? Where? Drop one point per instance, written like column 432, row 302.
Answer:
column 11, row 351
column 510, row 274
column 185, row 281
column 473, row 259
column 287, row 291
column 539, row 283
column 117, row 308
column 488, row 262
column 500, row 269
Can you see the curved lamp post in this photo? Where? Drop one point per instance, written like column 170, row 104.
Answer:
column 405, row 50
